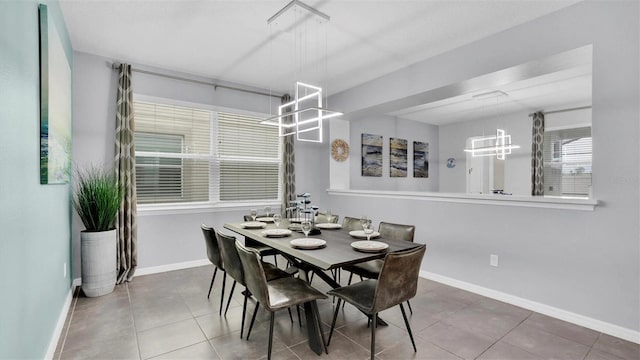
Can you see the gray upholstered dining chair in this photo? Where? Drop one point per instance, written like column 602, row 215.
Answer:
column 323, row 218
column 213, row 253
column 371, row 269
column 233, row 267
column 396, row 283
column 276, row 294
column 263, row 249
column 351, row 223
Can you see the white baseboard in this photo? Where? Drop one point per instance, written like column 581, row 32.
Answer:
column 171, row 267
column 53, row 343
column 581, row 320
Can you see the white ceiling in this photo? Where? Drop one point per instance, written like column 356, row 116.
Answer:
column 230, row 40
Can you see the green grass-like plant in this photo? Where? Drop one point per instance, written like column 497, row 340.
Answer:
column 98, row 197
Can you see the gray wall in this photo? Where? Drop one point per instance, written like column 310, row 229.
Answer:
column 388, row 127
column 583, row 262
column 34, row 218
column 173, row 237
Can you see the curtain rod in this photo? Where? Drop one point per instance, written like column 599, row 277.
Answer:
column 215, row 86
column 564, row 110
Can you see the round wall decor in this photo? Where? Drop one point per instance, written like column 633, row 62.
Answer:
column 339, row 150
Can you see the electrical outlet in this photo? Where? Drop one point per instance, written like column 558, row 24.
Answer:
column 493, row 260
column 64, row 270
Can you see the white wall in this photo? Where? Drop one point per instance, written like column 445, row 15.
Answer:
column 165, row 239
column 389, row 127
column 586, row 263
column 517, row 165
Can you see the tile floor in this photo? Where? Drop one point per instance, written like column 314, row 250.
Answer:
column 168, row 316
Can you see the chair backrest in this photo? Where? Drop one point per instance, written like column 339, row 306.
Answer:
column 254, row 275
column 322, row 218
column 397, row 231
column 213, row 250
column 398, row 280
column 230, row 257
column 351, row 223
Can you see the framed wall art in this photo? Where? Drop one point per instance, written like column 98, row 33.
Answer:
column 371, row 155
column 397, row 157
column 55, row 104
column 420, row 159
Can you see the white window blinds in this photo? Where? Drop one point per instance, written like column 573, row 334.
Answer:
column 173, row 153
column 249, row 158
column 567, row 162
column 177, row 162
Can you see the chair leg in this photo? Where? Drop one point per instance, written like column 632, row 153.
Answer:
column 275, row 259
column 406, row 322
column 244, row 311
column 374, row 323
column 333, row 323
column 233, row 287
column 299, row 318
column 224, row 282
column 253, row 319
column 290, row 316
column 409, row 305
column 271, row 334
column 213, row 278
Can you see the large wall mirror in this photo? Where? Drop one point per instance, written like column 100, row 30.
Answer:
column 485, row 128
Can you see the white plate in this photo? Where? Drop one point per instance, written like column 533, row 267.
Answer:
column 308, row 243
column 369, row 246
column 361, row 235
column 328, row 226
column 253, row 225
column 265, row 219
column 276, row 232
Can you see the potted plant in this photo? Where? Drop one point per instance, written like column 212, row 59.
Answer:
column 97, row 199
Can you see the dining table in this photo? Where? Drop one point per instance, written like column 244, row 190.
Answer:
column 338, row 251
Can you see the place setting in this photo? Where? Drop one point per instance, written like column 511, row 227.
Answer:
column 367, row 232
column 307, row 243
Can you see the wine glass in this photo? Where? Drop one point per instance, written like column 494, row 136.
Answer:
column 254, row 213
column 276, row 220
column 368, row 229
column 363, row 220
column 267, row 210
column 329, row 216
column 306, row 227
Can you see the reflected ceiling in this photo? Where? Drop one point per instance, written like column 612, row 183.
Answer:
column 565, row 88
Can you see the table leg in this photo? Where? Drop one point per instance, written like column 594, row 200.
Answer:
column 313, row 329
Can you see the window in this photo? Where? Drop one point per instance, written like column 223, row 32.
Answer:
column 567, row 162
column 196, row 155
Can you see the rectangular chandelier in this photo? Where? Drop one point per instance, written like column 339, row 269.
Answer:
column 303, row 114
column 499, row 145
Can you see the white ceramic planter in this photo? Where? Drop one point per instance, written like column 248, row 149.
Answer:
column 99, row 262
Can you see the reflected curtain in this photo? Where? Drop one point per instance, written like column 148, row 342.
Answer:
column 537, row 164
column 288, row 161
column 125, row 165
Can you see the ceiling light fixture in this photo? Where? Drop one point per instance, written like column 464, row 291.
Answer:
column 498, row 145
column 303, row 115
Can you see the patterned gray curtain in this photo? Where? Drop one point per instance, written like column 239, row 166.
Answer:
column 125, row 165
column 288, row 162
column 537, row 170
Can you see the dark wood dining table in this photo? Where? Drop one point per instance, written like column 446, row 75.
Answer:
column 337, row 253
